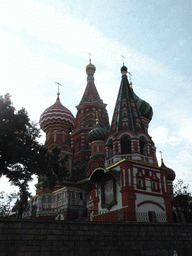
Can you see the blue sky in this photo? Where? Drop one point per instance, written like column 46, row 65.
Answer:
column 47, row 41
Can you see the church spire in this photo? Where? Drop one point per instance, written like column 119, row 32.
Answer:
column 91, row 94
column 126, row 115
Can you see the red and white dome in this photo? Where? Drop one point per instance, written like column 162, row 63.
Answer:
column 57, row 114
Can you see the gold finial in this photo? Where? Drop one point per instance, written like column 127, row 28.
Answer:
column 130, row 75
column 89, row 57
column 123, row 58
column 97, row 117
column 58, row 87
column 161, row 157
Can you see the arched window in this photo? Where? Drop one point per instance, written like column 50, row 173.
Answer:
column 143, row 146
column 54, row 136
column 110, row 145
column 63, row 137
column 72, row 194
column 43, row 200
column 125, row 145
column 49, row 199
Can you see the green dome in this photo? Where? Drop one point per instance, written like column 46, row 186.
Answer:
column 123, row 68
column 98, row 133
column 170, row 173
column 144, row 108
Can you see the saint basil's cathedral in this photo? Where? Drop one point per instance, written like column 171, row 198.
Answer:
column 113, row 168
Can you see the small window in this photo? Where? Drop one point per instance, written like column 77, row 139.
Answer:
column 43, row 200
column 126, row 145
column 143, row 145
column 140, row 183
column 81, row 196
column 49, row 199
column 154, row 185
column 72, row 194
column 110, row 145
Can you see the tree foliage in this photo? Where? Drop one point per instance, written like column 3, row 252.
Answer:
column 18, row 142
column 180, row 188
column 55, row 166
column 6, row 203
column 21, row 155
column 181, row 201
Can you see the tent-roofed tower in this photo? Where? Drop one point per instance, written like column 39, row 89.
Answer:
column 129, row 137
column 85, row 121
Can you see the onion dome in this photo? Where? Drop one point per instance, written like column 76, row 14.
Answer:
column 90, row 66
column 97, row 133
column 90, row 70
column 57, row 114
column 170, row 173
column 123, row 68
column 144, row 108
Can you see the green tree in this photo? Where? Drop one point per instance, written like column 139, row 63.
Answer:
column 181, row 200
column 21, row 155
column 180, row 188
column 6, row 203
column 55, row 166
column 18, row 142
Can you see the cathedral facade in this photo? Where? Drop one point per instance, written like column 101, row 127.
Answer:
column 113, row 168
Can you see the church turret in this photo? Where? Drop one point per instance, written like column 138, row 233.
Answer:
column 170, row 177
column 57, row 122
column 96, row 138
column 126, row 115
column 85, row 121
column 129, row 136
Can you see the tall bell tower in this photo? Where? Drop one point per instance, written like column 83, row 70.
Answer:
column 85, row 121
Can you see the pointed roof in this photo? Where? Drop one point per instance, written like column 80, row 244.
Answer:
column 91, row 94
column 126, row 115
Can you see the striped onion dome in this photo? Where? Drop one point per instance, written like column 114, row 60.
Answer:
column 97, row 133
column 57, row 114
column 144, row 108
column 170, row 173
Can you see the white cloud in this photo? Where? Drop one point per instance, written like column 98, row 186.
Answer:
column 163, row 136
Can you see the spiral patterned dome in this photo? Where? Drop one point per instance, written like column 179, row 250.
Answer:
column 57, row 114
column 98, row 133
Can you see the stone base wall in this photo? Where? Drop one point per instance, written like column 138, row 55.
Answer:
column 63, row 238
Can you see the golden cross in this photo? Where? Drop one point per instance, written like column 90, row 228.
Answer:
column 129, row 76
column 58, row 87
column 90, row 56
column 123, row 58
column 161, row 156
